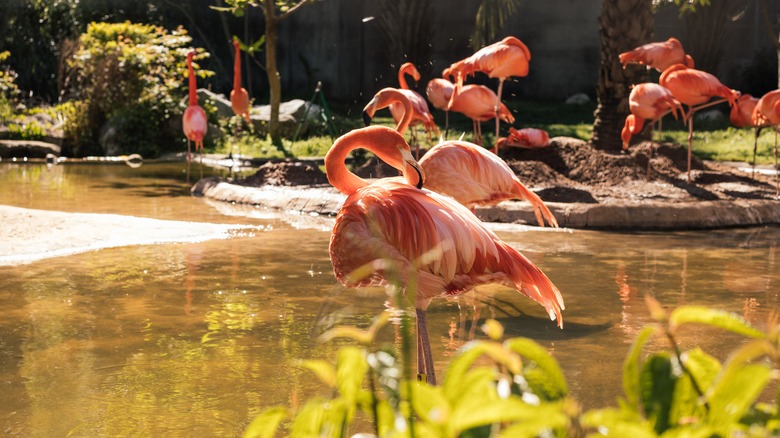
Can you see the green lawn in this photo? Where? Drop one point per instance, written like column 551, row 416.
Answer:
column 711, row 140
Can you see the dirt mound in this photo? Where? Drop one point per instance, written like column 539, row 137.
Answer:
column 285, row 173
column 572, row 171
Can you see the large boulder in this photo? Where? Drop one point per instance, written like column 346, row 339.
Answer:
column 291, row 114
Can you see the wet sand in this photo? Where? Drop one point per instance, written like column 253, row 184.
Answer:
column 29, row 235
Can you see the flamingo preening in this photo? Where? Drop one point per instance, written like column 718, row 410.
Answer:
column 429, row 243
column 477, row 102
column 658, row 55
column 439, row 91
column 194, row 122
column 648, row 101
column 506, row 58
column 462, row 170
column 694, row 88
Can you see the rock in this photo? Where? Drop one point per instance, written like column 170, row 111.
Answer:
column 290, row 116
column 578, row 99
column 711, row 116
column 27, row 149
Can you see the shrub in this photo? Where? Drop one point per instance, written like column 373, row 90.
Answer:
column 521, row 391
column 133, row 76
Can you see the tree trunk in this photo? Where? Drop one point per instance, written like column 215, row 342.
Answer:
column 274, row 79
column 623, row 25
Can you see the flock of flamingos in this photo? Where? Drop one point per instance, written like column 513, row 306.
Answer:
column 428, row 239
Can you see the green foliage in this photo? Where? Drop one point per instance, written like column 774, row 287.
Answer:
column 134, row 76
column 515, row 388
column 490, row 20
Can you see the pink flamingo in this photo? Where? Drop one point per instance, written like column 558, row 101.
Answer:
column 767, row 113
column 396, row 231
column 477, row 102
column 530, row 138
column 462, row 170
column 695, row 88
column 439, row 92
column 421, row 114
column 239, row 98
column 506, row 58
column 651, row 102
column 659, row 55
column 194, row 122
column 741, row 116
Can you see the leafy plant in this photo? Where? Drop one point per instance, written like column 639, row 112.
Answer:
column 133, row 75
column 515, row 388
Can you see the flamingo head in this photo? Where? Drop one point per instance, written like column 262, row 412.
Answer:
column 236, row 44
column 628, row 130
column 410, row 69
column 689, row 61
column 191, row 56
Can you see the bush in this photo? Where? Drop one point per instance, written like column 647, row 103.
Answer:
column 522, row 391
column 131, row 76
column 8, row 89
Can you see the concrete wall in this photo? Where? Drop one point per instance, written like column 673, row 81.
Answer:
column 329, row 41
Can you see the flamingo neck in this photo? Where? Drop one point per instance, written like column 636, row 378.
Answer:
column 193, row 83
column 402, row 79
column 338, row 175
column 237, row 68
column 406, row 120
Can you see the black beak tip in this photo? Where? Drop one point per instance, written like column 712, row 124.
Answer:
column 366, row 118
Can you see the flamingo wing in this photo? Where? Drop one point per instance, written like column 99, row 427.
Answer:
column 473, row 176
column 195, row 123
column 403, row 231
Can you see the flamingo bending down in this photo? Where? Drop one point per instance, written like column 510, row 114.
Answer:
column 530, row 138
column 695, row 87
column 658, row 55
column 651, row 102
column 194, row 122
column 508, row 57
column 417, row 236
column 462, row 170
column 239, row 98
column 477, row 102
column 421, row 115
column 439, row 92
column 767, row 113
column 741, row 116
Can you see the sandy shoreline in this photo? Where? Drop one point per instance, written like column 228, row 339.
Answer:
column 29, row 235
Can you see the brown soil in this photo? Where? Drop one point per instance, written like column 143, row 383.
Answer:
column 571, row 171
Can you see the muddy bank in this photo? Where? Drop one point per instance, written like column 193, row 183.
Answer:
column 584, row 188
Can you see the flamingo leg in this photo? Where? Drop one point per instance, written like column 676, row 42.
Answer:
column 199, row 146
column 755, row 149
column 498, row 107
column 652, row 146
column 188, row 160
column 425, row 366
column 446, row 124
column 777, row 169
column 690, row 143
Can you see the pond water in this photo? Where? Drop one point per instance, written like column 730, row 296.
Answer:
column 195, row 339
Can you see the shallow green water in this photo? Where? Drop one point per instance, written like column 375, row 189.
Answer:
column 195, row 339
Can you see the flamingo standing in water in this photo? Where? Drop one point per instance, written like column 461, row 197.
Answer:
column 658, row 55
column 508, row 57
column 404, row 233
column 530, row 138
column 421, row 114
column 695, row 88
column 194, row 122
column 767, row 113
column 439, row 91
column 651, row 102
column 239, row 98
column 477, row 102
column 741, row 116
column 462, row 170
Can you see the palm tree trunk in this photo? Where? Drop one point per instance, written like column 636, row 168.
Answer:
column 623, row 25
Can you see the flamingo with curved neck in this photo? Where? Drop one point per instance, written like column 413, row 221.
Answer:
column 399, row 232
column 239, row 97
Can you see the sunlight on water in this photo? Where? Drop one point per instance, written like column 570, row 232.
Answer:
column 195, row 339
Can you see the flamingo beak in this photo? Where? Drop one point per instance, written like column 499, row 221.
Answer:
column 369, row 111
column 410, row 162
column 414, row 165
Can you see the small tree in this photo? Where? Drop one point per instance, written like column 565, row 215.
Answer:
column 274, row 12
